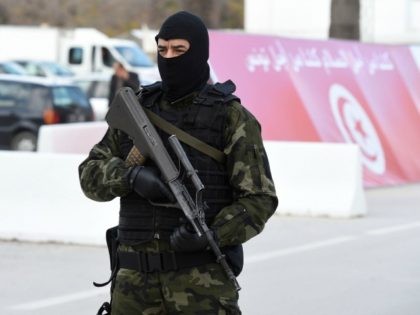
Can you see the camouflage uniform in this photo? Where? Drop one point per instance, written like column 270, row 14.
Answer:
column 202, row 289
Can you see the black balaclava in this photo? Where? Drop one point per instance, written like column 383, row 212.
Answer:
column 188, row 72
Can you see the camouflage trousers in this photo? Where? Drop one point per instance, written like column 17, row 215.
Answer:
column 200, row 290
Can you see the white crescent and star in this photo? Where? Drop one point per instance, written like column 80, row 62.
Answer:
column 356, row 127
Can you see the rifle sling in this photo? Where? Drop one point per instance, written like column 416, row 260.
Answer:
column 185, row 137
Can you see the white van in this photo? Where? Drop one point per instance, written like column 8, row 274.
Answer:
column 82, row 50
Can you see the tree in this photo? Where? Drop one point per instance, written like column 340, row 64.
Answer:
column 117, row 17
column 345, row 19
column 4, row 14
column 209, row 11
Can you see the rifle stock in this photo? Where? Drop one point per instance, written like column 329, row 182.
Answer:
column 126, row 114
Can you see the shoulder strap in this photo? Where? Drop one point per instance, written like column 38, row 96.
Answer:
column 147, row 94
column 217, row 93
column 185, row 137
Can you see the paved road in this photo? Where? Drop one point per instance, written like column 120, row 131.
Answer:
column 298, row 266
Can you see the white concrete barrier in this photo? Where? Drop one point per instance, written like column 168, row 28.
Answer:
column 70, row 138
column 317, row 179
column 41, row 200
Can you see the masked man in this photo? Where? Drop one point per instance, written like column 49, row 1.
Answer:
column 239, row 192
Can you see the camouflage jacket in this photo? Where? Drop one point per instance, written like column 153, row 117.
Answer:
column 103, row 176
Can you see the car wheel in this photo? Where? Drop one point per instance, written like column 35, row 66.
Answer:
column 24, row 141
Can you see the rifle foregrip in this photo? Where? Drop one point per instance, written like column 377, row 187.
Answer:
column 134, row 157
column 221, row 259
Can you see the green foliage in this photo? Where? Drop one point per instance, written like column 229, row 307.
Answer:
column 117, row 17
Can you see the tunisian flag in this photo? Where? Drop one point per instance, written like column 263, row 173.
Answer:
column 330, row 91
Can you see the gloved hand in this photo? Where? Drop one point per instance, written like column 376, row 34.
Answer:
column 185, row 239
column 145, row 181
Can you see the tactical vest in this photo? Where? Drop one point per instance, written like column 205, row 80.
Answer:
column 205, row 120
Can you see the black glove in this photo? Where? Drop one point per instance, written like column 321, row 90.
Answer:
column 185, row 239
column 145, row 181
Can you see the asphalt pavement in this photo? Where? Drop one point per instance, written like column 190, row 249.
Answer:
column 297, row 266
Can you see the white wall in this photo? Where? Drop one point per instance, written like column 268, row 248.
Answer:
column 382, row 21
column 390, row 21
column 297, row 18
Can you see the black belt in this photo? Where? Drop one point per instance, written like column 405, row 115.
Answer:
column 165, row 261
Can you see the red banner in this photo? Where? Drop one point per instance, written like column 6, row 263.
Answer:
column 330, row 91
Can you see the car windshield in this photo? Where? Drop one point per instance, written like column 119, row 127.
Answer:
column 66, row 96
column 56, row 69
column 134, row 56
column 17, row 94
column 11, row 68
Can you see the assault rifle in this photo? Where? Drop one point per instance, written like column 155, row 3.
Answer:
column 128, row 115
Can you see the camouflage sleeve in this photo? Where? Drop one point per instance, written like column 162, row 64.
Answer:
column 103, row 175
column 254, row 193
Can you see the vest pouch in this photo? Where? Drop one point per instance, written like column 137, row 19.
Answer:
column 111, row 237
column 112, row 242
column 235, row 258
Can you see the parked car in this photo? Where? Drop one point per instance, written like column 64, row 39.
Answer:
column 44, row 68
column 26, row 103
column 10, row 67
column 96, row 87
